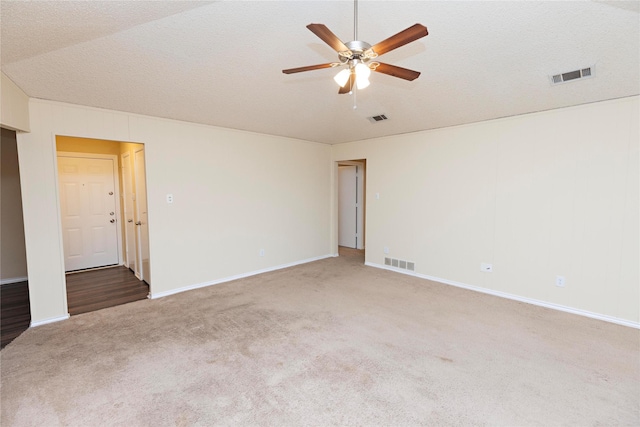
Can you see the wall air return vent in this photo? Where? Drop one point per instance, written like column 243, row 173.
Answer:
column 399, row 263
column 572, row 75
column 378, row 118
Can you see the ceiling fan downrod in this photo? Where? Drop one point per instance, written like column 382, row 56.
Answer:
column 355, row 58
column 355, row 19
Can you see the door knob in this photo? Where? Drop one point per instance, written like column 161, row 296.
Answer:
column 112, row 221
column 129, row 220
column 111, row 193
column 111, row 213
column 139, row 223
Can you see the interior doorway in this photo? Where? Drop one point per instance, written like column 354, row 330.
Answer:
column 15, row 312
column 351, row 195
column 99, row 210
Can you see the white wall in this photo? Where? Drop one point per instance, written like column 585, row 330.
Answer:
column 14, row 105
column 538, row 195
column 235, row 193
column 13, row 261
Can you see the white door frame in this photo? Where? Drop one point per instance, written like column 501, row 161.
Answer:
column 362, row 201
column 127, row 193
column 139, row 272
column 116, row 176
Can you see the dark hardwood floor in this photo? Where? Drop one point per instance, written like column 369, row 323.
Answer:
column 97, row 289
column 15, row 314
column 86, row 291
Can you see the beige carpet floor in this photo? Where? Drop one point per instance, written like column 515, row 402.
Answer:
column 327, row 343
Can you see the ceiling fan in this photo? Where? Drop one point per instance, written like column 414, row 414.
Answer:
column 357, row 55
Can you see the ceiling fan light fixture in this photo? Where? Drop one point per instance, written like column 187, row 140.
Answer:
column 342, row 77
column 362, row 82
column 362, row 75
column 362, row 71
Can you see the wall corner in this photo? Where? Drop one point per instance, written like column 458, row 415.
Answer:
column 14, row 106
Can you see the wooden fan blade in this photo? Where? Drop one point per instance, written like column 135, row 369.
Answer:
column 310, row 68
column 349, row 86
column 395, row 71
column 328, row 37
column 412, row 33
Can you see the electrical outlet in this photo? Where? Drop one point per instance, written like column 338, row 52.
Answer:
column 560, row 281
column 261, row 252
column 169, row 198
column 486, row 268
column 386, row 249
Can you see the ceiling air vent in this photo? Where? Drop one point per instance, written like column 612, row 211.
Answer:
column 378, row 118
column 572, row 75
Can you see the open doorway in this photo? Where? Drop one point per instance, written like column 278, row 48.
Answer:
column 102, row 200
column 351, row 191
column 15, row 313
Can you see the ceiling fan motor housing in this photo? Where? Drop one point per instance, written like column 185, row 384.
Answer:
column 358, row 50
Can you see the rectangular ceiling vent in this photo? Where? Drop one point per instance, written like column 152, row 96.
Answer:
column 572, row 75
column 379, row 118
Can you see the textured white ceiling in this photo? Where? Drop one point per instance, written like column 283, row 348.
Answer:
column 220, row 63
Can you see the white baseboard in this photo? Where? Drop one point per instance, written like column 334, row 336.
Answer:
column 49, row 320
column 553, row 306
column 13, row 280
column 231, row 278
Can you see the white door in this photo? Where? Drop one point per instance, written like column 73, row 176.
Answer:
column 347, row 203
column 129, row 226
column 88, row 210
column 141, row 222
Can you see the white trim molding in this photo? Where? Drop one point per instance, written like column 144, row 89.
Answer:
column 231, row 278
column 585, row 313
column 13, row 280
column 49, row 320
